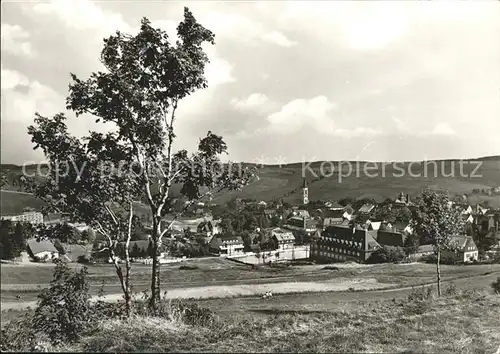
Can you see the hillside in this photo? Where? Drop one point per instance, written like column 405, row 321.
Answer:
column 284, row 182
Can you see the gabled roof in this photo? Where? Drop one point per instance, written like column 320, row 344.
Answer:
column 42, row 246
column 282, row 235
column 374, row 225
column 366, row 208
column 333, row 214
column 302, row 213
column 219, row 240
column 462, row 242
column 480, row 210
column 350, row 234
column 332, row 221
column 333, row 205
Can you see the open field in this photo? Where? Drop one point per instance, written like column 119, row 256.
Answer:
column 463, row 323
column 222, row 278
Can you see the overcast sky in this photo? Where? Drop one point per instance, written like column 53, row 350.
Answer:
column 288, row 81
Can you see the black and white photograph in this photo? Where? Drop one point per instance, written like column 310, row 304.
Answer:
column 250, row 176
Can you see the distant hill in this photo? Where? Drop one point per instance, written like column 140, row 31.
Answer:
column 285, row 182
column 389, row 180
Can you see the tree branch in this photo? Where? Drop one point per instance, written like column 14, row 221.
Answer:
column 110, row 212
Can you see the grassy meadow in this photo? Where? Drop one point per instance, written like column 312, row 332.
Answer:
column 410, row 325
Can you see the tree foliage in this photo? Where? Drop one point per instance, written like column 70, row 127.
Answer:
column 13, row 236
column 436, row 220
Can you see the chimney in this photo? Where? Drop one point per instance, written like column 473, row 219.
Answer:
column 407, row 199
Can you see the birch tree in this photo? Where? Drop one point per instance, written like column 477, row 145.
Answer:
column 80, row 185
column 437, row 221
column 147, row 77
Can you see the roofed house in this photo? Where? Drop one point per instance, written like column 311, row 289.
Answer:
column 373, row 225
column 366, row 208
column 467, row 210
column 466, row 249
column 332, row 217
column 334, row 206
column 424, row 250
column 282, row 239
column 207, row 228
column 345, row 243
column 302, row 213
column 301, row 223
column 397, row 226
column 226, row 245
column 41, row 250
column 74, row 252
column 347, row 215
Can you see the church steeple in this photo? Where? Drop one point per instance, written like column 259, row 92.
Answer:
column 305, row 192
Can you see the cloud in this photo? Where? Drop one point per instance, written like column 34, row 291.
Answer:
column 315, row 113
column 278, row 38
column 400, row 125
column 294, row 115
column 357, row 132
column 443, row 129
column 15, row 40
column 254, row 102
column 243, row 29
column 84, row 15
column 22, row 97
column 359, row 25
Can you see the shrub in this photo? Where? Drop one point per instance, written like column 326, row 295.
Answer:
column 419, row 301
column 450, row 290
column 182, row 311
column 64, row 310
column 496, row 286
column 421, row 294
column 387, row 254
column 188, row 267
column 83, row 259
column 18, row 335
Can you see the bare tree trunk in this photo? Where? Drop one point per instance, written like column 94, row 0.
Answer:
column 127, row 292
column 155, row 272
column 118, row 269
column 438, row 270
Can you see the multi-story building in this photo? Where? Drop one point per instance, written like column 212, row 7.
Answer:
column 282, row 239
column 301, row 223
column 32, row 217
column 344, row 243
column 226, row 245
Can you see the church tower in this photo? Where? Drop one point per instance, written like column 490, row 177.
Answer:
column 305, row 192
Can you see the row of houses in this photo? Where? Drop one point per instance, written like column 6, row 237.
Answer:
column 348, row 243
column 230, row 245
